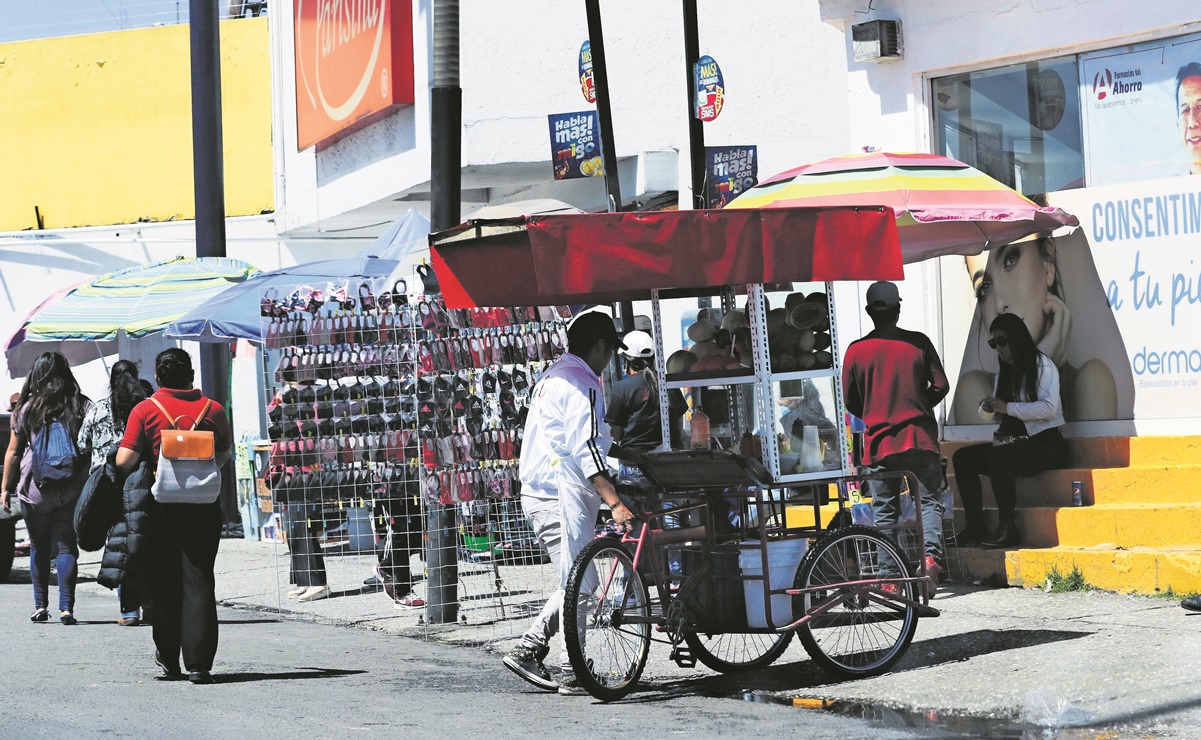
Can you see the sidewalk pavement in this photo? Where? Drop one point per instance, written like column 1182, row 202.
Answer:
column 1108, row 658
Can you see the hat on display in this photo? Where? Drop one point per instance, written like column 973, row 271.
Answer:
column 590, row 326
column 883, row 294
column 639, row 345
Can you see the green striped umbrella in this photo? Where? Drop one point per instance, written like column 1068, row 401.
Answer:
column 139, row 300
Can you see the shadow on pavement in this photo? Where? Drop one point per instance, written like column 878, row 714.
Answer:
column 301, row 673
column 805, row 674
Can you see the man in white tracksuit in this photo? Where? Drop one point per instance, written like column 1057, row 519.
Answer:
column 564, row 478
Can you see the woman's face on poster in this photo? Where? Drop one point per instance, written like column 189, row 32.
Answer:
column 1013, row 279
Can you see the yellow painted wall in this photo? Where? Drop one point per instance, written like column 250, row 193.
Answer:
column 97, row 129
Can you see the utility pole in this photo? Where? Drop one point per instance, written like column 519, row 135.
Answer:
column 696, row 127
column 604, row 108
column 446, row 145
column 604, row 112
column 208, row 171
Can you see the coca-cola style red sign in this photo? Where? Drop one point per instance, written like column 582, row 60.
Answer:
column 354, row 64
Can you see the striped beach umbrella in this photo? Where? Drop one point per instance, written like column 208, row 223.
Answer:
column 943, row 206
column 139, row 300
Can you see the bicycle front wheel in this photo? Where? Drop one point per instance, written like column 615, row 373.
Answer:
column 868, row 632
column 604, row 591
column 732, row 652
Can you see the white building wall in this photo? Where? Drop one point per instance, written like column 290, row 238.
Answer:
column 783, row 67
column 888, row 101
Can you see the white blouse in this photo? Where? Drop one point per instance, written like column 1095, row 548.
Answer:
column 1044, row 412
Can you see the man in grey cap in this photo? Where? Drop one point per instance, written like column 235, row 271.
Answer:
column 564, row 478
column 892, row 379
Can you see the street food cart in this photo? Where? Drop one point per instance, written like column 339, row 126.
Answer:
column 718, row 569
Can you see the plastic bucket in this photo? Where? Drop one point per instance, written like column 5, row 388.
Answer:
column 359, row 529
column 783, row 557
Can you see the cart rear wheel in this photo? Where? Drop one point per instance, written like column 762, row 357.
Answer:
column 868, row 632
column 603, row 591
column 731, row 652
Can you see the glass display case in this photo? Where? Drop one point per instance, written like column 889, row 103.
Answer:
column 755, row 370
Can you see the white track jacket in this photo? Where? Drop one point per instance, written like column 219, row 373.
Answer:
column 566, row 437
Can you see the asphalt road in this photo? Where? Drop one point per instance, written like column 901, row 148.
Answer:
column 281, row 678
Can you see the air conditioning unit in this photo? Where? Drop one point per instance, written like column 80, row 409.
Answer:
column 876, row 41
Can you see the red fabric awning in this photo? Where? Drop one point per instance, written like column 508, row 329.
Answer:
column 605, row 257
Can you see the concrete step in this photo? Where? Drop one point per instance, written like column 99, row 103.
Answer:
column 1120, row 452
column 1135, row 570
column 1139, row 484
column 1049, row 488
column 973, row 564
column 1148, row 484
column 1112, row 525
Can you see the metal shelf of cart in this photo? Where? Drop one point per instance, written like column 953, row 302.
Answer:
column 828, row 372
column 704, row 380
column 817, row 475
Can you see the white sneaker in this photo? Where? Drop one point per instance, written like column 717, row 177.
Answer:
column 297, row 592
column 315, row 593
column 412, row 601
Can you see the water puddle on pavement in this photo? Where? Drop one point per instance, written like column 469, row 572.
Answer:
column 942, row 723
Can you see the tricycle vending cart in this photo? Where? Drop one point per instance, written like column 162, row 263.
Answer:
column 734, row 558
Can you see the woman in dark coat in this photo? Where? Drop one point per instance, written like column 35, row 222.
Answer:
column 102, row 429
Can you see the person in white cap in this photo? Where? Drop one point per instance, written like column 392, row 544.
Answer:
column 564, row 479
column 633, row 408
column 893, row 379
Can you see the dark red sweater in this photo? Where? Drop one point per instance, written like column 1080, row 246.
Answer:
column 893, row 379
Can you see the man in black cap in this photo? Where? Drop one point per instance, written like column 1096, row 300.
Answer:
column 892, row 379
column 564, row 478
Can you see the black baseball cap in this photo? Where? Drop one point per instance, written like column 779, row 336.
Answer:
column 883, row 294
column 588, row 327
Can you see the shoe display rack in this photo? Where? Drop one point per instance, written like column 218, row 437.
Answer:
column 386, row 402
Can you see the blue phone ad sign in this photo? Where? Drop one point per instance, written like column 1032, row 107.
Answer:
column 575, row 148
column 729, row 171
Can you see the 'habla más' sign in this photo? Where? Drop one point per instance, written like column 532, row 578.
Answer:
column 354, row 64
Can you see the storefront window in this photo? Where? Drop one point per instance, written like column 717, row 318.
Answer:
column 1019, row 124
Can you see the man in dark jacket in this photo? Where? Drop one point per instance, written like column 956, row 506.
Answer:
column 893, row 380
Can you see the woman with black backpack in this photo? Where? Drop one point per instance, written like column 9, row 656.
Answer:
column 44, row 468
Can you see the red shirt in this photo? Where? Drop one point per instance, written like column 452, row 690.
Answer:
column 143, row 431
column 893, row 379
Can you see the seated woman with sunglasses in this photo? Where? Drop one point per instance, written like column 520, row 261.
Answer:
column 1027, row 441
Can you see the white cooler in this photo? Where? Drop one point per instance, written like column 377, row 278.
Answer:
column 783, row 557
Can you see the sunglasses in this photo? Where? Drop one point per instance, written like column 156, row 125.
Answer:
column 1001, row 341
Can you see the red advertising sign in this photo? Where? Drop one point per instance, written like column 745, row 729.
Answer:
column 354, row 64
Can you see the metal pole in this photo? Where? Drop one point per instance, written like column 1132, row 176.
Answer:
column 604, row 111
column 207, row 162
column 446, row 124
column 209, row 179
column 696, row 128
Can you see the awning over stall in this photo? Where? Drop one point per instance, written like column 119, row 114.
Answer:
column 603, row 257
column 943, row 206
